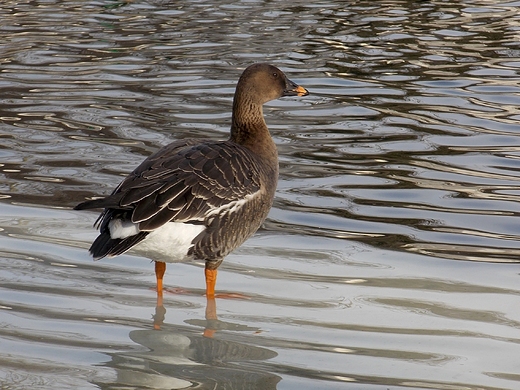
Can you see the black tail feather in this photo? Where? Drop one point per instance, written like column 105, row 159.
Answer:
column 92, row 204
column 111, row 201
column 104, row 246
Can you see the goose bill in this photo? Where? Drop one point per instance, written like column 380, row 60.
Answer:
column 293, row 89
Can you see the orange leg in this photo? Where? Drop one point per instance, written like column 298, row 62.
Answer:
column 211, row 281
column 160, row 268
column 211, row 307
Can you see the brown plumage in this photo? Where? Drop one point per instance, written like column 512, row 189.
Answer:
column 200, row 198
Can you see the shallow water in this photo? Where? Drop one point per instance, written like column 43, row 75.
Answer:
column 389, row 260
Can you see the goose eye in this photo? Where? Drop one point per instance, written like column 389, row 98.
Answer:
column 275, row 75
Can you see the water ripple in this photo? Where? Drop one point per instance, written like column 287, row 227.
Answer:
column 400, row 167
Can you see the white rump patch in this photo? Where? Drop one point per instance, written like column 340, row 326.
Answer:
column 120, row 228
column 171, row 242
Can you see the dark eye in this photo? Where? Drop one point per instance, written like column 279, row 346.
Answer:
column 275, row 75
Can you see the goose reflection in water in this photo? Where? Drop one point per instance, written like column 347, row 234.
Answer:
column 177, row 357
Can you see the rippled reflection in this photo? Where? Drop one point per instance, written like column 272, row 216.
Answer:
column 399, row 167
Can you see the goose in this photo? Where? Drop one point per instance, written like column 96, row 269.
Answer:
column 199, row 199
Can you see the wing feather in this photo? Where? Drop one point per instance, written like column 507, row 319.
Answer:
column 139, row 193
column 183, row 182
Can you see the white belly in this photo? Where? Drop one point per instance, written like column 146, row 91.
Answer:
column 170, row 243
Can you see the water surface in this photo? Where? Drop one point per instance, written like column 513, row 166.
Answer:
column 389, row 260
